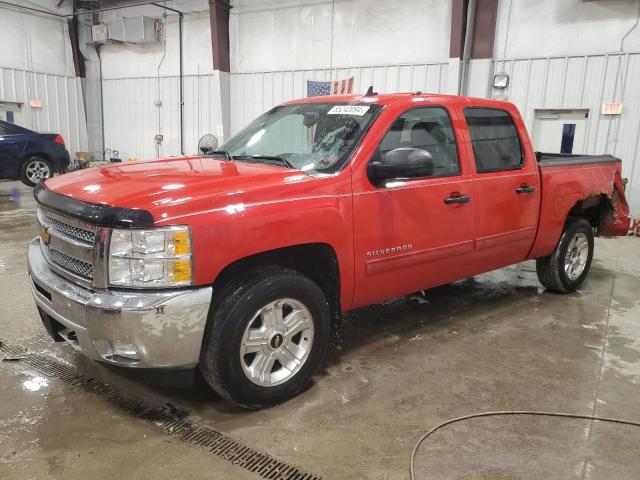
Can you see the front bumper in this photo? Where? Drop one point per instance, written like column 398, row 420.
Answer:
column 166, row 327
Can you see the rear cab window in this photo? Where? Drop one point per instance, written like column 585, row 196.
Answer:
column 7, row 128
column 428, row 128
column 495, row 140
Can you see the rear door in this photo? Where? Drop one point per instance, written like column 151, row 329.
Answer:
column 408, row 234
column 506, row 187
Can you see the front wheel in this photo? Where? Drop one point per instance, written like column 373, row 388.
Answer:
column 567, row 267
column 266, row 336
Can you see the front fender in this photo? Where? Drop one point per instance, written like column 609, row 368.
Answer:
column 226, row 235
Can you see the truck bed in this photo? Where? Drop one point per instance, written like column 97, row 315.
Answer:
column 559, row 159
column 578, row 181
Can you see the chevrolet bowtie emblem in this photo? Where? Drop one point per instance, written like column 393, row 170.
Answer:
column 276, row 341
column 44, row 235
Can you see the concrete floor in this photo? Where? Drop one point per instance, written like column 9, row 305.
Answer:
column 494, row 342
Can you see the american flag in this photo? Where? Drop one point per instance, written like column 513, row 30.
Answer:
column 336, row 87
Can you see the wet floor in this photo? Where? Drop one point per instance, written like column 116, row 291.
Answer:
column 494, row 342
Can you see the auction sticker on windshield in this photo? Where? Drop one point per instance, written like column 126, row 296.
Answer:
column 358, row 110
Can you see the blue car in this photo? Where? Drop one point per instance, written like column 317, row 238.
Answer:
column 29, row 156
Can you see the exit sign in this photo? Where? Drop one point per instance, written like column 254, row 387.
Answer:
column 612, row 108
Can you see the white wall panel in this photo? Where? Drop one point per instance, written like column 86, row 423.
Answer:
column 585, row 82
column 36, row 64
column 132, row 119
column 254, row 93
column 285, row 35
column 532, row 28
column 34, row 43
column 62, row 106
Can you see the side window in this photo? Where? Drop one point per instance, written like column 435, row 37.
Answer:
column 495, row 141
column 6, row 130
column 428, row 128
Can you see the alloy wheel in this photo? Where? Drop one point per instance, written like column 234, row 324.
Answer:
column 277, row 342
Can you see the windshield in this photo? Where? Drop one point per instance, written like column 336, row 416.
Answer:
column 311, row 136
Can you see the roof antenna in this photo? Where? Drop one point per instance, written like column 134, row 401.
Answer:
column 370, row 92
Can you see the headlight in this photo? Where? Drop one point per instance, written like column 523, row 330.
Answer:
column 158, row 257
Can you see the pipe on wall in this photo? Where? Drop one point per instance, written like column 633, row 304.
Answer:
column 181, row 68
column 466, row 51
column 180, row 17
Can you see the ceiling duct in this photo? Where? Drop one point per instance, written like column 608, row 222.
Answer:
column 138, row 30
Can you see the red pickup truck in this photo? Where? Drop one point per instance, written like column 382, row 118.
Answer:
column 242, row 260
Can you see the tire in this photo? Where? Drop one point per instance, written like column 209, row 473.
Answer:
column 34, row 170
column 241, row 336
column 567, row 267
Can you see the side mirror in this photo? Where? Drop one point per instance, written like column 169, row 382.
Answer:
column 401, row 163
column 207, row 144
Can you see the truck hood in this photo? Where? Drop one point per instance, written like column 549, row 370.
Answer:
column 168, row 188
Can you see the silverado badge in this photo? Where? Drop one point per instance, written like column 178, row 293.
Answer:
column 386, row 251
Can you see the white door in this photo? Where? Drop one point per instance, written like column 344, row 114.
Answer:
column 560, row 131
column 11, row 112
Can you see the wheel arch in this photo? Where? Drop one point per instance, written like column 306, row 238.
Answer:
column 318, row 261
column 42, row 155
column 598, row 210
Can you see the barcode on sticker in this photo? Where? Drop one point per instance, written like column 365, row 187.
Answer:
column 358, row 110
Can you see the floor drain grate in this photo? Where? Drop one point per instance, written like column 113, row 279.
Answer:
column 169, row 419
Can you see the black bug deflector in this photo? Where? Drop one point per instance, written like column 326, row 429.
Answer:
column 95, row 214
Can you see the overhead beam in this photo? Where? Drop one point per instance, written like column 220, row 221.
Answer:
column 459, row 10
column 484, row 28
column 78, row 59
column 219, row 19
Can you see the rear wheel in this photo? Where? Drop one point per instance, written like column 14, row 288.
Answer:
column 34, row 170
column 567, row 267
column 266, row 336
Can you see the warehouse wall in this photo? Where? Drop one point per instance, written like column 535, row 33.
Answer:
column 282, row 35
column 584, row 54
column 135, row 77
column 36, row 63
column 277, row 46
column 549, row 28
column 141, row 90
column 254, row 93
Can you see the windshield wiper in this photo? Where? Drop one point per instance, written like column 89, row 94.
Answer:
column 278, row 158
column 226, row 154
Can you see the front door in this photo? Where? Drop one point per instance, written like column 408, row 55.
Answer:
column 412, row 234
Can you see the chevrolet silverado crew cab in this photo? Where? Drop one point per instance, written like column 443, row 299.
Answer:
column 241, row 261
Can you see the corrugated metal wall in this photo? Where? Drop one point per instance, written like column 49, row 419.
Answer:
column 132, row 119
column 254, row 93
column 62, row 104
column 585, row 82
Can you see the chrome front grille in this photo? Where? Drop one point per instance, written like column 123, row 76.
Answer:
column 70, row 231
column 71, row 264
column 72, row 247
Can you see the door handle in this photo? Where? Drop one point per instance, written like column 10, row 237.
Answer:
column 457, row 198
column 525, row 189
